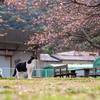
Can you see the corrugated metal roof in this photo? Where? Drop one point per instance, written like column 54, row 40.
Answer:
column 87, row 58
column 78, row 53
column 47, row 57
column 15, row 36
column 79, row 66
column 70, row 66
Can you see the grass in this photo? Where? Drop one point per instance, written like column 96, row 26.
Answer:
column 50, row 89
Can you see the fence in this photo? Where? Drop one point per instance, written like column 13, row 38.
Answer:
column 7, row 72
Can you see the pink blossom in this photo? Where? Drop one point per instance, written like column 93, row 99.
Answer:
column 23, row 30
column 0, row 20
column 60, row 8
column 61, row 3
column 8, row 3
column 19, row 3
column 46, row 3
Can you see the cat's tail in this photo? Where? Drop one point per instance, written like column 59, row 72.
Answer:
column 14, row 72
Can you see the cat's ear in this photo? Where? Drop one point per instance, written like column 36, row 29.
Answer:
column 35, row 56
column 31, row 56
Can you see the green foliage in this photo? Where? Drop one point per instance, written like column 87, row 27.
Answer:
column 6, row 91
column 13, row 19
column 32, row 11
column 5, row 15
column 96, row 40
column 48, row 50
column 27, row 21
column 87, row 46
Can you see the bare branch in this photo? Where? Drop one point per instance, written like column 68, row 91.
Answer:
column 80, row 3
column 89, row 40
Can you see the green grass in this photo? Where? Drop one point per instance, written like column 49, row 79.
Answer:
column 50, row 89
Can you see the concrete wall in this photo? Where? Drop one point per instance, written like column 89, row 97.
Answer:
column 45, row 63
column 19, row 55
column 5, row 61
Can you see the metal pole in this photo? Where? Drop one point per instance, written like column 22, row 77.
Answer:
column 46, row 73
column 35, row 52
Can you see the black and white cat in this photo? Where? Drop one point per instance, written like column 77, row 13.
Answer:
column 26, row 66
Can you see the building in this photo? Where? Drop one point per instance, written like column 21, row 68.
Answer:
column 46, row 59
column 13, row 48
column 69, row 57
column 77, row 57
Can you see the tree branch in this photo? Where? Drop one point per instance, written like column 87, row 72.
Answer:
column 89, row 40
column 2, row 1
column 95, row 5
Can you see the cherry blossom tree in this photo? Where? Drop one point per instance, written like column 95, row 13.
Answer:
column 66, row 23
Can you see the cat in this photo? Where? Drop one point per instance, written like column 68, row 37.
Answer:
column 26, row 66
column 1, row 72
